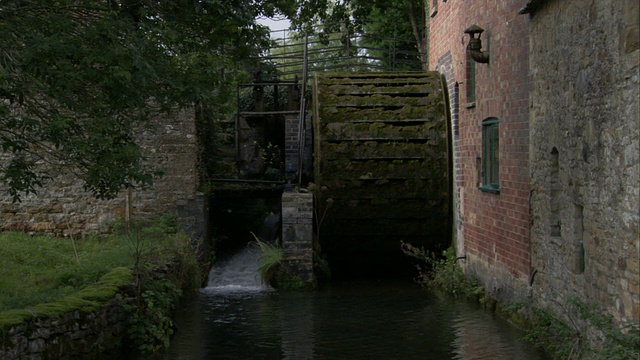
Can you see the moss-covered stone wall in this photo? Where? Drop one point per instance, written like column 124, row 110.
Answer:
column 87, row 325
column 381, row 151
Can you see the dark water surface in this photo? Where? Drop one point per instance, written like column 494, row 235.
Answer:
column 358, row 320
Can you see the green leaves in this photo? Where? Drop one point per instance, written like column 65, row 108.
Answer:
column 78, row 77
column 394, row 30
column 20, row 175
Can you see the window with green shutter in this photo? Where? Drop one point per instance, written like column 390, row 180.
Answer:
column 490, row 156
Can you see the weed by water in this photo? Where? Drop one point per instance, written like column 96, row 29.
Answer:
column 149, row 324
column 270, row 259
column 271, row 270
column 579, row 330
column 439, row 273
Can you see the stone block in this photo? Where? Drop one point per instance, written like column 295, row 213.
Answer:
column 297, row 233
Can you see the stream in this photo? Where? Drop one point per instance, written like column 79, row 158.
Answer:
column 236, row 317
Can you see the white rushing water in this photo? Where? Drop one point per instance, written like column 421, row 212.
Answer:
column 239, row 273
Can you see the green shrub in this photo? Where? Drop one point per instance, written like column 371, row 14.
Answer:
column 580, row 331
column 149, row 323
column 440, row 273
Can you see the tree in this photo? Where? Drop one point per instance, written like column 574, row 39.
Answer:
column 387, row 28
column 329, row 52
column 379, row 21
column 77, row 77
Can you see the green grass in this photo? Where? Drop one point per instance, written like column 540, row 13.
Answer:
column 269, row 259
column 87, row 299
column 36, row 270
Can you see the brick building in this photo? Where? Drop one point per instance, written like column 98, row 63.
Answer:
column 490, row 123
column 545, row 146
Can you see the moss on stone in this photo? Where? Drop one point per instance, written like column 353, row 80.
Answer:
column 86, row 300
column 379, row 141
column 287, row 281
column 13, row 317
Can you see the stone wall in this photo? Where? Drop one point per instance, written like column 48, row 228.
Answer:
column 76, row 334
column 585, row 152
column 62, row 207
column 491, row 229
column 90, row 324
column 297, row 234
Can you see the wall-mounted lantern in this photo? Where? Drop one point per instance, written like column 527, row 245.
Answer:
column 475, row 44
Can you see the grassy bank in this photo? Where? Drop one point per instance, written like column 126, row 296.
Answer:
column 35, row 270
column 48, row 277
column 41, row 269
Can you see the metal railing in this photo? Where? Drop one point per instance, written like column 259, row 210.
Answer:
column 293, row 56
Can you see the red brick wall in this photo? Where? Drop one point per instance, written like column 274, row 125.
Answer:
column 493, row 228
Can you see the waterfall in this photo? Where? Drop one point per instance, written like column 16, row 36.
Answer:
column 239, row 273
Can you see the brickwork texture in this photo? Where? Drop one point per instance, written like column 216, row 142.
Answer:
column 491, row 230
column 297, row 234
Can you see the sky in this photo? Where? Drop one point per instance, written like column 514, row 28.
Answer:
column 275, row 24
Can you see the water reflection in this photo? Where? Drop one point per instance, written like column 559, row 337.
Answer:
column 298, row 337
column 346, row 321
column 479, row 335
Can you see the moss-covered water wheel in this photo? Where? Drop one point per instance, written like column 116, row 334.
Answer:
column 381, row 150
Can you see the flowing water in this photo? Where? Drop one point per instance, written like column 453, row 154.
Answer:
column 236, row 317
column 238, row 274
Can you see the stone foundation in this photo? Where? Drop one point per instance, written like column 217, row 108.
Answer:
column 76, row 334
column 297, row 234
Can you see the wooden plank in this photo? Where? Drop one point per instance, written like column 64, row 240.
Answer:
column 381, row 150
column 378, row 150
column 382, row 79
column 378, row 100
column 380, row 113
column 378, row 75
column 382, row 169
column 394, row 121
column 397, row 227
column 258, row 113
column 358, row 189
column 380, row 130
column 370, row 89
column 418, row 209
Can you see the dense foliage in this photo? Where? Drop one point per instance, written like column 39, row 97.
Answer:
column 77, row 76
column 383, row 25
